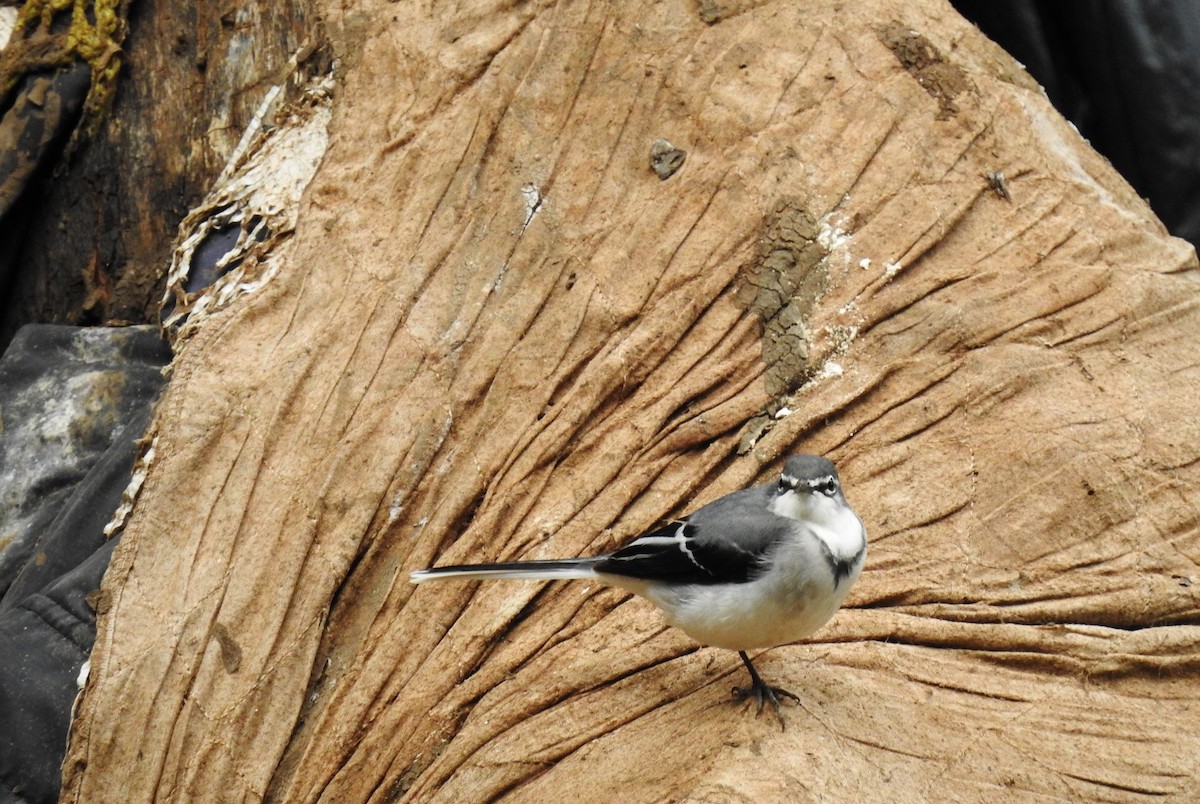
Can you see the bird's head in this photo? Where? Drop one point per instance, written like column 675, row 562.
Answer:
column 809, row 489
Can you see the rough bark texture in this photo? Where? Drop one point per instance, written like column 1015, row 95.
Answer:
column 96, row 246
column 498, row 333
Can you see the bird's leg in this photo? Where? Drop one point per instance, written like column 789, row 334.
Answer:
column 761, row 691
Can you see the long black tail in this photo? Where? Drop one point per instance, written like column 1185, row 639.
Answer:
column 512, row 570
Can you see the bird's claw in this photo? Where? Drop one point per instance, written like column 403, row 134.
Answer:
column 764, row 694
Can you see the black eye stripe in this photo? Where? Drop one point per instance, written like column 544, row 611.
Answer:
column 825, row 485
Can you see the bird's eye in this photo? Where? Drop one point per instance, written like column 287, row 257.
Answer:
column 783, row 485
column 828, row 487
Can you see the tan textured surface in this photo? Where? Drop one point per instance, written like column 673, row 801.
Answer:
column 431, row 379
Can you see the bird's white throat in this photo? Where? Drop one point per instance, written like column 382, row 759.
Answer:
column 831, row 520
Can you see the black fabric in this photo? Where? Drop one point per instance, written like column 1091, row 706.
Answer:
column 1128, row 76
column 73, row 404
column 65, row 392
column 44, row 641
column 77, row 530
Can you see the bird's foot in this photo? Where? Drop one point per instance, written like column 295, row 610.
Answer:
column 762, row 692
column 766, row 694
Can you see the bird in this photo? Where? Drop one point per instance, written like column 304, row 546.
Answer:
column 758, row 568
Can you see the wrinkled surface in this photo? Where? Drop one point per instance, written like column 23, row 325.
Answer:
column 497, row 333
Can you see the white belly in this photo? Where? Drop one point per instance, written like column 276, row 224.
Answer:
column 758, row 614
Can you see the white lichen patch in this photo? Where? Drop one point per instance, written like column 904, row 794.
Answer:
column 843, row 335
column 831, row 369
column 831, row 236
column 8, row 21
column 395, row 508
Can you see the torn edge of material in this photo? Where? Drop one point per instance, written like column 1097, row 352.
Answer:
column 253, row 206
column 531, row 194
column 81, row 680
column 141, row 468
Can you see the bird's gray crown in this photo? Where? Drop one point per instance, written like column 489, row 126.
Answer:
column 806, row 472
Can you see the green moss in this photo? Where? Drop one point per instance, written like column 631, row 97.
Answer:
column 94, row 35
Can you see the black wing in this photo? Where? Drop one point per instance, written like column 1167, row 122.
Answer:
column 674, row 553
column 723, row 542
